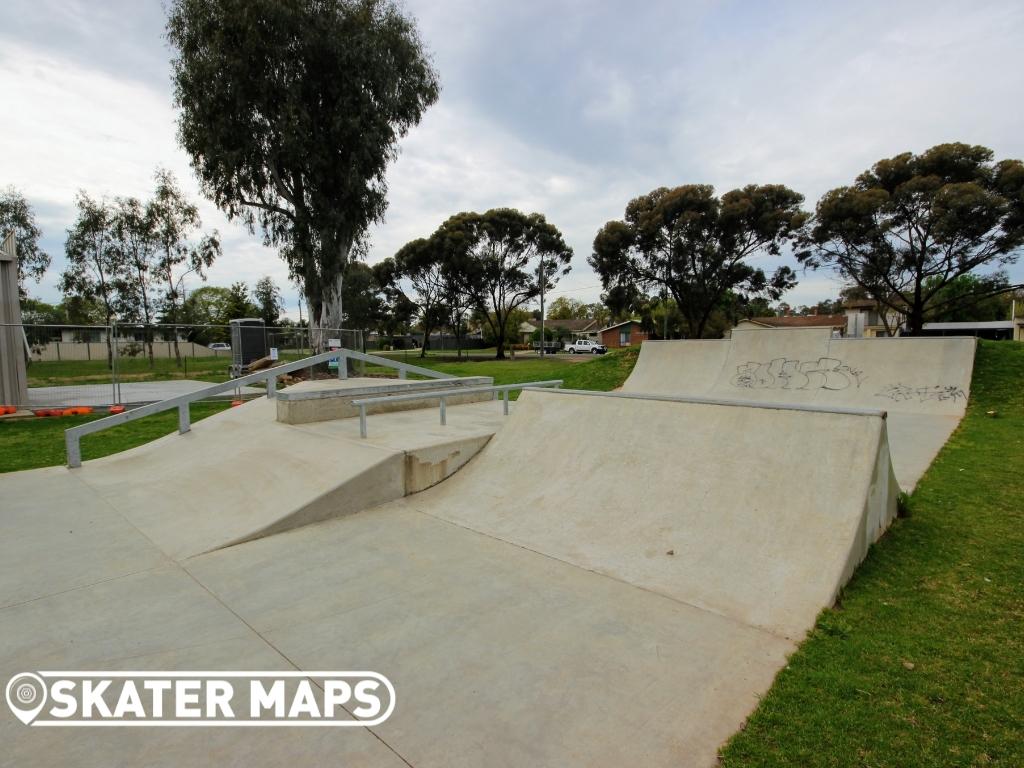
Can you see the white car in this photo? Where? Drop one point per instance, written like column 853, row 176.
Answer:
column 585, row 346
column 220, row 346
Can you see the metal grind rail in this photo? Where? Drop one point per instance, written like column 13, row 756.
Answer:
column 73, row 436
column 443, row 395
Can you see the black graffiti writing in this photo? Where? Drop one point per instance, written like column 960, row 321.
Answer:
column 901, row 393
column 785, row 373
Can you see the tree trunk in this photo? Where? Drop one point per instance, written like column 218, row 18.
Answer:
column 330, row 316
column 915, row 320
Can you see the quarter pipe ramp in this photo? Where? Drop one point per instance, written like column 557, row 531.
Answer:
column 923, row 383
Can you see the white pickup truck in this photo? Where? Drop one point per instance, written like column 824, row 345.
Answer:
column 584, row 347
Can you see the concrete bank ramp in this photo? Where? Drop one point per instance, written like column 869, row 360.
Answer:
column 241, row 474
column 722, row 507
column 611, row 581
column 923, row 383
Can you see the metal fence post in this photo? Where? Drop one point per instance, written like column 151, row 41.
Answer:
column 114, row 363
column 505, row 404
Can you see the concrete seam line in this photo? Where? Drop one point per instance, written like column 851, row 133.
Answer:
column 282, row 654
column 720, row 401
column 616, row 579
column 77, row 587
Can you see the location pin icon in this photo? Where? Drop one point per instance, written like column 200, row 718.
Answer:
column 26, row 695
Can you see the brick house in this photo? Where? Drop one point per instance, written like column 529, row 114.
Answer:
column 624, row 334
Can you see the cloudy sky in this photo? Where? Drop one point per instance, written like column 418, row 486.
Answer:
column 567, row 107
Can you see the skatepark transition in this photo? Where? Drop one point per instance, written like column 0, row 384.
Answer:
column 609, row 578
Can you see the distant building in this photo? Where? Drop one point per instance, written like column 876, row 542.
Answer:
column 998, row 330
column 864, row 318
column 834, row 323
column 562, row 329
column 624, row 334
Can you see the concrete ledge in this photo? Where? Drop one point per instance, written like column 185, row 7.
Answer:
column 327, row 400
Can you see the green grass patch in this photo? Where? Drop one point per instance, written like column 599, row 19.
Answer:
column 598, row 372
column 57, row 373
column 922, row 661
column 33, row 443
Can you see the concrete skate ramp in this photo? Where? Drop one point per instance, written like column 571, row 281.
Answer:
column 611, row 581
column 241, row 474
column 923, row 383
column 731, row 509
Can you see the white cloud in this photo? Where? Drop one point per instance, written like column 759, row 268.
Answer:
column 568, row 108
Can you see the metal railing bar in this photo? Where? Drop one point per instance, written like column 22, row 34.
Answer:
column 443, row 395
column 73, row 436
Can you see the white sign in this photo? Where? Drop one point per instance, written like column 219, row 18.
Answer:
column 273, row 353
column 177, row 698
column 334, row 343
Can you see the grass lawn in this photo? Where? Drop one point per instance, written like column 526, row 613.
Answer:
column 71, row 372
column 599, row 372
column 32, row 443
column 922, row 663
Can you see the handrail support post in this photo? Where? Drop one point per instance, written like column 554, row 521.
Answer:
column 73, row 447
column 362, row 420
column 184, row 423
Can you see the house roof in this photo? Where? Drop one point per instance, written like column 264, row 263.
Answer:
column 616, row 325
column 571, row 324
column 802, row 321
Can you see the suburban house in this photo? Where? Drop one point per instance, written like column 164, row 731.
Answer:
column 835, row 323
column 624, row 334
column 864, row 318
column 562, row 329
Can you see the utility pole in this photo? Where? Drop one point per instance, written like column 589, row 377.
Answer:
column 543, row 338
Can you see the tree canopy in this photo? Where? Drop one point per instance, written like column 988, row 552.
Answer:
column 17, row 215
column 695, row 247
column 92, row 271
column 912, row 224
column 420, row 262
column 499, row 256
column 290, row 112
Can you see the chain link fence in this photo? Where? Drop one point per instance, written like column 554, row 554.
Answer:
column 129, row 364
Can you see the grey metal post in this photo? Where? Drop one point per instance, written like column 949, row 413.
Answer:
column 444, row 411
column 73, row 449
column 271, row 387
column 505, row 404
column 401, row 373
column 543, row 338
column 343, row 367
column 362, row 420
column 183, row 420
column 114, row 364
